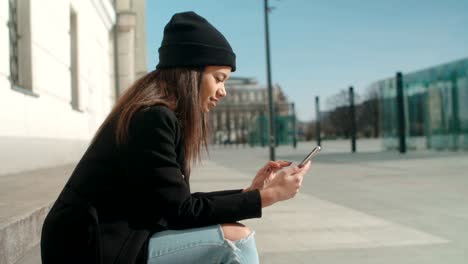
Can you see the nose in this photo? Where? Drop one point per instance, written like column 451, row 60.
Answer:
column 221, row 91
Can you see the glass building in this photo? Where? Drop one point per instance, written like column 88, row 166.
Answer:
column 436, row 108
column 259, row 130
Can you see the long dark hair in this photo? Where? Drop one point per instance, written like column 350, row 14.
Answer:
column 176, row 88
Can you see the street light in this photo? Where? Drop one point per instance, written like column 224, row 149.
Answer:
column 270, row 88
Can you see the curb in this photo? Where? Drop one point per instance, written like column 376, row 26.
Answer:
column 21, row 235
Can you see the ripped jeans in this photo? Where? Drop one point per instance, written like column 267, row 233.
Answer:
column 205, row 245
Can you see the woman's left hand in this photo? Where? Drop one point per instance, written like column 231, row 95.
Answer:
column 266, row 174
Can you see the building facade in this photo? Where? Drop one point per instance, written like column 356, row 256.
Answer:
column 436, row 109
column 131, row 41
column 58, row 60
column 242, row 116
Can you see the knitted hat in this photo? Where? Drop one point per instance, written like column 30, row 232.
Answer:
column 191, row 41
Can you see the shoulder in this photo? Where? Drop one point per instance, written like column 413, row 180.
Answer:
column 158, row 117
column 161, row 112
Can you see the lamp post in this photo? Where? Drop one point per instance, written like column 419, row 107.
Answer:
column 272, row 140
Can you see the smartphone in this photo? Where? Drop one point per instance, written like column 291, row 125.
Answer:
column 310, row 156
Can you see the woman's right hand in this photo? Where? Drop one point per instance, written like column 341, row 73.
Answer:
column 285, row 185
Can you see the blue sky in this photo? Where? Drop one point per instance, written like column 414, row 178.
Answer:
column 320, row 47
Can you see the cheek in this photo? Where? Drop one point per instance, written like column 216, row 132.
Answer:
column 208, row 88
column 203, row 88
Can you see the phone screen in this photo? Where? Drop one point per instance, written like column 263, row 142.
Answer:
column 310, row 156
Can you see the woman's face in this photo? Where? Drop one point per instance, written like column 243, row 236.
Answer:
column 212, row 88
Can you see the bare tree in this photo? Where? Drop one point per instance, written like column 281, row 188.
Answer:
column 368, row 115
column 338, row 121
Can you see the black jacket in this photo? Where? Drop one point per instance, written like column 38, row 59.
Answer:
column 117, row 197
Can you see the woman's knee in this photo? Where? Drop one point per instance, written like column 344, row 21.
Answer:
column 244, row 251
column 235, row 231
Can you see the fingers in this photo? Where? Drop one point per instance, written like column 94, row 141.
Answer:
column 267, row 168
column 289, row 180
column 268, row 171
column 274, row 166
column 292, row 170
column 307, row 165
column 284, row 163
column 296, row 169
column 280, row 164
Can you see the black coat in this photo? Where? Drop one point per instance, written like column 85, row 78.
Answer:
column 116, row 198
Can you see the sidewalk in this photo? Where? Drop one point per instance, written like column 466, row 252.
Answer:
column 368, row 207
column 306, row 223
column 25, row 199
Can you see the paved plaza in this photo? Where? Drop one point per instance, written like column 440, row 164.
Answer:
column 372, row 206
column 367, row 207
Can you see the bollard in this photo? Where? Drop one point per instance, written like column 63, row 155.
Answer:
column 317, row 110
column 294, row 125
column 353, row 119
column 401, row 113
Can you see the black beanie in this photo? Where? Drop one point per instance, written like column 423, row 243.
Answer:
column 191, row 41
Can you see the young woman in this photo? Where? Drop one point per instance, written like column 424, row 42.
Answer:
column 128, row 199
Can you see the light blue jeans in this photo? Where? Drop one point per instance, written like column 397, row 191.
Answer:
column 205, row 245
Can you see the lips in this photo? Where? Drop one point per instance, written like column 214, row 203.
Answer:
column 214, row 101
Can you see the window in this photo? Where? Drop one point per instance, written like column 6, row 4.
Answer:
column 20, row 46
column 13, row 28
column 112, row 68
column 74, row 60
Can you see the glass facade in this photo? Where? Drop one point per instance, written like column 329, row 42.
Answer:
column 259, row 130
column 436, row 108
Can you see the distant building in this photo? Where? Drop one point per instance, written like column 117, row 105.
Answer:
column 241, row 117
column 58, row 60
column 302, row 128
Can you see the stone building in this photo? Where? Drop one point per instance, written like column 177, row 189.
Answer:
column 58, row 60
column 239, row 113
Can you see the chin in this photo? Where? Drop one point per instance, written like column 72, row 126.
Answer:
column 207, row 108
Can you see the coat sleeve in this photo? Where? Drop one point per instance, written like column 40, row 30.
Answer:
column 160, row 177
column 216, row 193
